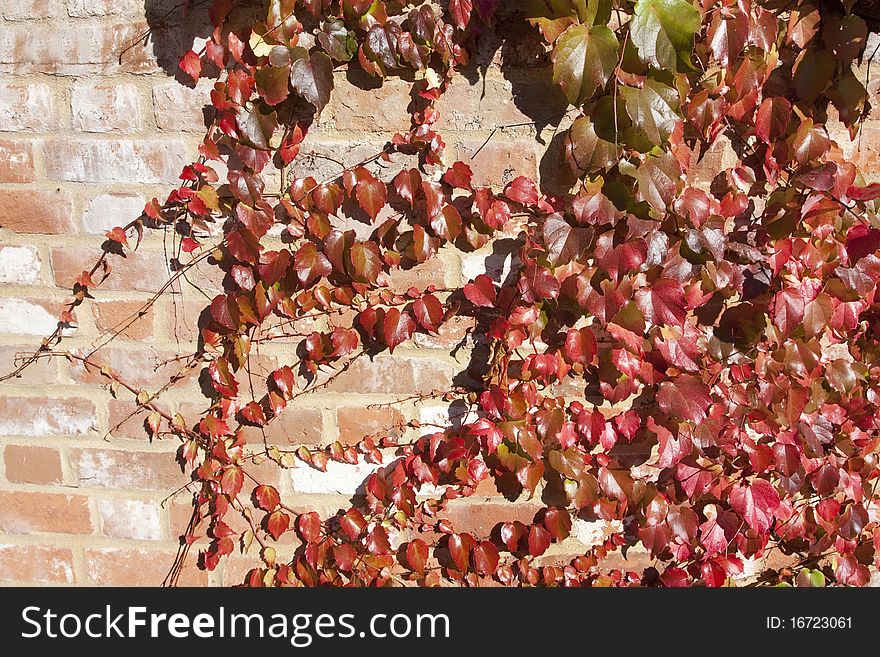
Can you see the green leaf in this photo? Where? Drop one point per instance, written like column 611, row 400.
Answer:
column 583, row 60
column 337, row 41
column 663, row 32
column 653, row 109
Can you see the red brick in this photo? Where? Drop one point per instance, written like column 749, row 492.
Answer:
column 181, row 317
column 294, row 426
column 489, row 103
column 16, row 161
column 140, row 271
column 356, row 422
column 29, row 512
column 127, row 470
column 479, row 519
column 234, row 570
column 457, row 331
column 36, row 563
column 113, row 566
column 32, row 465
column 26, row 106
column 499, row 161
column 106, row 108
column 76, row 49
column 115, row 160
column 38, row 373
column 28, row 211
column 126, row 419
column 112, row 316
column 421, row 276
column 179, row 513
column 364, row 107
column 43, row 416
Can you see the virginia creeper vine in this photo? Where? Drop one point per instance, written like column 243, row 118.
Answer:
column 723, row 334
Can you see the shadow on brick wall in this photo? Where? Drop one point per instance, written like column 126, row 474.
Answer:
column 173, row 30
column 518, row 49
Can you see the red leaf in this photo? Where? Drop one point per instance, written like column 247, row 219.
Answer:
column 485, row 558
column 284, row 380
column 788, row 310
column 429, row 312
column 369, row 190
column 377, row 541
column 408, row 183
column 867, row 193
column 539, row 540
column 222, row 379
column 366, row 262
column 267, row 497
column 481, row 292
column 558, row 523
column 755, row 503
column 861, row 241
column 685, row 397
column 417, row 555
column 397, row 327
column 191, row 64
column 523, row 191
column 580, row 346
column 231, row 481
column 460, row 175
column 117, row 234
column 309, row 525
column 459, row 549
column 353, row 523
column 277, row 523
column 461, row 12
column 512, row 533
column 311, row 264
column 663, row 302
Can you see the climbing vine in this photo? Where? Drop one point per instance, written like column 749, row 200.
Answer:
column 721, row 332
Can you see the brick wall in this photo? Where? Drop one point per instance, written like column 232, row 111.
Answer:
column 93, row 122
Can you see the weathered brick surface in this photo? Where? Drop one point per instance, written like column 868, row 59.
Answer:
column 16, row 161
column 120, row 469
column 41, row 416
column 106, row 108
column 136, row 161
column 27, row 106
column 19, row 264
column 37, row 564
